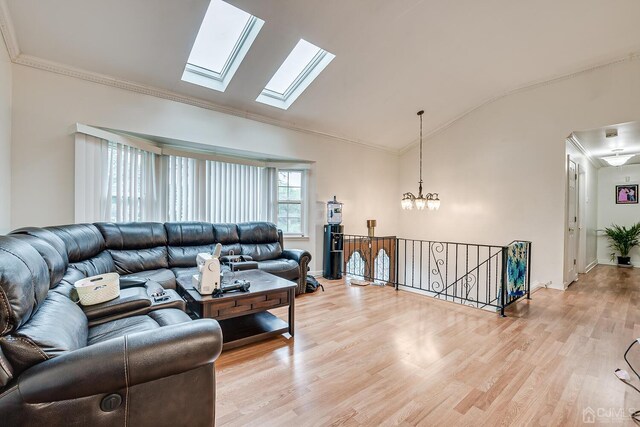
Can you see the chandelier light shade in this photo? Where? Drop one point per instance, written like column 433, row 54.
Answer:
column 618, row 159
column 433, row 204
column 407, row 202
column 430, row 201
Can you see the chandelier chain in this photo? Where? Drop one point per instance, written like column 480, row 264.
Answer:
column 420, row 147
column 420, row 113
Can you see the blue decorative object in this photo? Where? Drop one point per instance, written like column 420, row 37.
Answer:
column 517, row 269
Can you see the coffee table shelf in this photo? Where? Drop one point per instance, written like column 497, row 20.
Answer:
column 248, row 329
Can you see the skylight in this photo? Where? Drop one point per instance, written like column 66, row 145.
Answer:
column 224, row 38
column 305, row 62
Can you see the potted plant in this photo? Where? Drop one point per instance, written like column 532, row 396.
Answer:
column 622, row 240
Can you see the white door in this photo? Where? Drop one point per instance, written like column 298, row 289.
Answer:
column 572, row 224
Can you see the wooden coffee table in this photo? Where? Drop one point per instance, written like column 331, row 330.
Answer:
column 244, row 316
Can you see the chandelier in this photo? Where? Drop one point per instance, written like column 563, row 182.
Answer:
column 617, row 159
column 429, row 200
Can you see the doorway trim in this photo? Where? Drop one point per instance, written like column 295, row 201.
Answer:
column 572, row 143
column 571, row 226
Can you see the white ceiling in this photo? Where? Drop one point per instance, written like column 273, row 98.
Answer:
column 392, row 57
column 598, row 146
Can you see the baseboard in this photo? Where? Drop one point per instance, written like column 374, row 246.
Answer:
column 317, row 273
column 591, row 265
column 609, row 262
column 550, row 285
column 537, row 286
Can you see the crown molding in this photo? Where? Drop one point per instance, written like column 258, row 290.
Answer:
column 8, row 32
column 104, row 79
column 529, row 86
column 573, row 140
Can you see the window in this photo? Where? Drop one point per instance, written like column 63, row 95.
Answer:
column 130, row 184
column 119, row 182
column 125, row 194
column 118, row 178
column 305, row 62
column 224, row 38
column 291, row 197
column 219, row 192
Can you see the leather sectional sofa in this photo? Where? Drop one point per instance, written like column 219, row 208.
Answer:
column 162, row 252
column 133, row 361
column 56, row 369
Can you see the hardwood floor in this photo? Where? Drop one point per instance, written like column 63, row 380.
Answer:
column 373, row 356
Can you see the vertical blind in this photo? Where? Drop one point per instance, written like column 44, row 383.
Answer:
column 117, row 182
column 206, row 190
column 131, row 190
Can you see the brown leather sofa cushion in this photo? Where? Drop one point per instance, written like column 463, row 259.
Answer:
column 185, row 256
column 24, row 281
column 48, row 237
column 162, row 276
column 82, row 241
column 102, row 263
column 259, row 240
column 261, row 251
column 128, row 325
column 226, row 234
column 136, row 246
column 54, row 254
column 57, row 327
column 285, row 268
column 136, row 260
column 120, row 328
column 189, row 233
column 133, row 235
column 169, row 317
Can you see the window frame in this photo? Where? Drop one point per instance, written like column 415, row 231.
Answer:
column 205, row 77
column 304, row 201
column 300, row 83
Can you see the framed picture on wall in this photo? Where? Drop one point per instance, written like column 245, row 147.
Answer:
column 626, row 194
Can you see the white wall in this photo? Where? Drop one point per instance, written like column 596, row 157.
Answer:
column 500, row 170
column 47, row 104
column 5, row 139
column 610, row 213
column 587, row 208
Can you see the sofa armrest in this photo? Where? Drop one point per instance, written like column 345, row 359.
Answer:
column 130, row 282
column 302, row 257
column 123, row 362
column 130, row 299
column 298, row 255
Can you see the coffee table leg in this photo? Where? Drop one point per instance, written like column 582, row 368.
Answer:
column 292, row 300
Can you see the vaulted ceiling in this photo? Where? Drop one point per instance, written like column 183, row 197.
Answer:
column 392, row 57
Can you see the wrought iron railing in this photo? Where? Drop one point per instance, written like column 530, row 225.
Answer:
column 483, row 276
